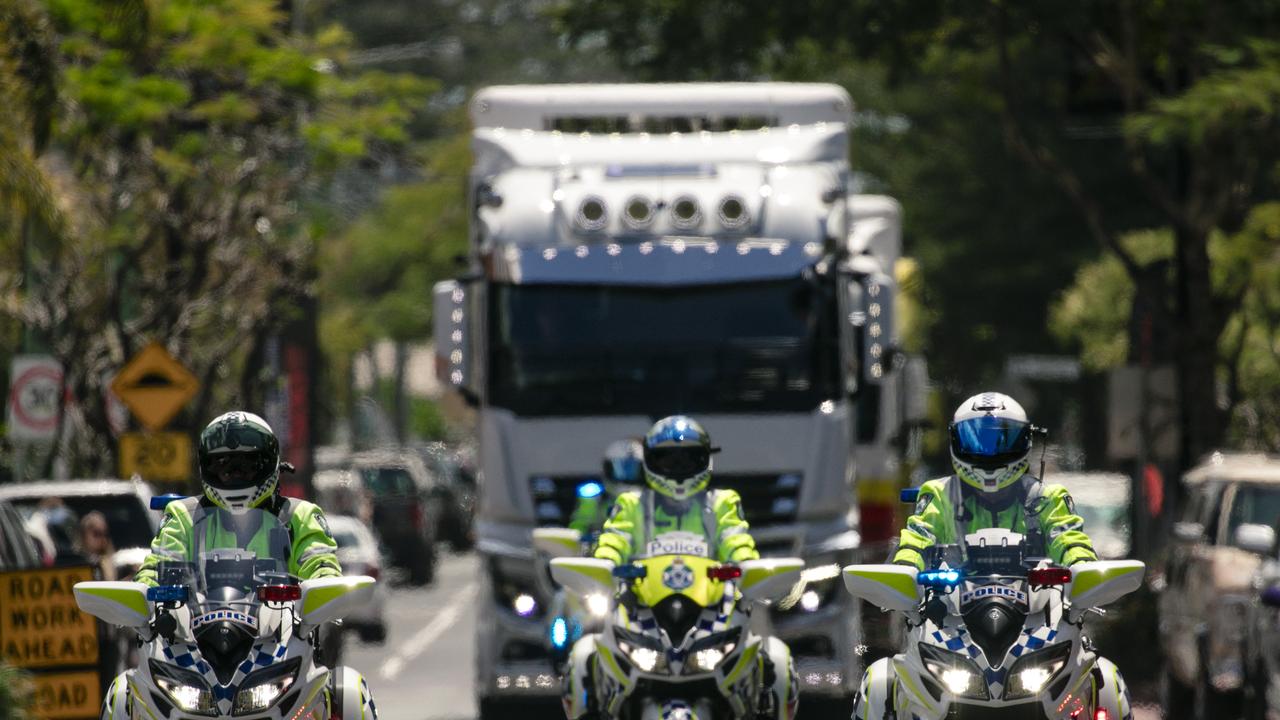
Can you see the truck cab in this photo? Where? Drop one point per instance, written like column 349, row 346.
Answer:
column 644, row 250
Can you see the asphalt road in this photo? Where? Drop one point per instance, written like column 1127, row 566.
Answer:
column 425, row 669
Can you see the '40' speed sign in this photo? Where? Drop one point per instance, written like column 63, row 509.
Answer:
column 156, row 456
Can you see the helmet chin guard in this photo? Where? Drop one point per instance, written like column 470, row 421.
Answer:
column 990, row 442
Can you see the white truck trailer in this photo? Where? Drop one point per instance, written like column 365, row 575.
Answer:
column 643, row 250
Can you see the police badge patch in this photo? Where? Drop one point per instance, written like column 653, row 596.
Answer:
column 677, row 576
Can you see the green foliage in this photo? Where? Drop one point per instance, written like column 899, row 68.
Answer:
column 192, row 138
column 16, row 694
column 427, row 421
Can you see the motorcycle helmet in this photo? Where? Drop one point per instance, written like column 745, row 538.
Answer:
column 990, row 442
column 623, row 463
column 677, row 457
column 239, row 460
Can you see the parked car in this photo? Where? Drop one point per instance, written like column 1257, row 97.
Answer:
column 343, row 492
column 1209, row 581
column 124, row 504
column 456, row 488
column 18, row 549
column 406, row 508
column 358, row 555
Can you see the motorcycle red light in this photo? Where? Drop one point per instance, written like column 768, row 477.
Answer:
column 1049, row 576
column 279, row 593
column 1102, row 714
column 724, row 572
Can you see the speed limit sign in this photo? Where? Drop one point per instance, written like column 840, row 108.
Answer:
column 156, row 456
column 35, row 396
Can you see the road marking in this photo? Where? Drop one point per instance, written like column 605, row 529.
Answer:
column 422, row 640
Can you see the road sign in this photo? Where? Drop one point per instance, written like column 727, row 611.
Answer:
column 40, row 624
column 155, row 386
column 67, row 696
column 34, row 391
column 43, row 631
column 156, row 456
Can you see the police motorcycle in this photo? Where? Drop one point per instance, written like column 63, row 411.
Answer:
column 232, row 633
column 993, row 633
column 677, row 644
column 571, row 615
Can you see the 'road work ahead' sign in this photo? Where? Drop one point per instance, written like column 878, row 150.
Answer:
column 42, row 630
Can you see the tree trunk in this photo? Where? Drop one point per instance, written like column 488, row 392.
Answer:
column 400, row 398
column 1198, row 328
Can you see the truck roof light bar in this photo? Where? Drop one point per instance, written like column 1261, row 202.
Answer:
column 593, row 214
column 686, row 214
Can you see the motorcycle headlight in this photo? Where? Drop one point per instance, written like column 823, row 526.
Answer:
column 1033, row 672
column 262, row 689
column 643, row 653
column 186, row 689
column 957, row 673
column 710, row 651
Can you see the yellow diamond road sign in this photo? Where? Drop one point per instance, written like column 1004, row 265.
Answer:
column 154, row 386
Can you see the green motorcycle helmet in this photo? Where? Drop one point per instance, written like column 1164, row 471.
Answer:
column 239, row 461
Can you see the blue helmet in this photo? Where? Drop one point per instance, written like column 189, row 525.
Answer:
column 624, row 462
column 677, row 457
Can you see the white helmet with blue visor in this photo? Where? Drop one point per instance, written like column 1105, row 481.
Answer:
column 990, row 441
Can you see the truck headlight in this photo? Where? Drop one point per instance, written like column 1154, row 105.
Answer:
column 1033, row 672
column 260, row 690
column 186, row 689
column 957, row 673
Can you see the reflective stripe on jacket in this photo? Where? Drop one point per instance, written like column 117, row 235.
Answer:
column 312, row 551
column 1048, row 508
column 638, row 516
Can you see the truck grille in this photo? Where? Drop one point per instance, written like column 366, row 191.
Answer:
column 767, row 499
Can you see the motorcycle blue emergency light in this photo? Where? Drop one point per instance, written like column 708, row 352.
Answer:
column 590, row 489
column 160, row 502
column 909, row 495
column 939, row 578
column 167, row 593
column 630, row 572
column 559, row 632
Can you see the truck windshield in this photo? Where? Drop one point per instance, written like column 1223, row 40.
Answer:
column 594, row 350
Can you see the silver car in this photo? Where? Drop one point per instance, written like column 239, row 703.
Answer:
column 358, row 555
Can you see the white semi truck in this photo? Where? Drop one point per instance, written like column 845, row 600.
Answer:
column 642, row 250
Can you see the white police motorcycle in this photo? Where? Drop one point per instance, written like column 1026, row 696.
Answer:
column 993, row 633
column 232, row 634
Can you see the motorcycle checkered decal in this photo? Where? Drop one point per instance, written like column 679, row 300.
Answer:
column 1028, row 642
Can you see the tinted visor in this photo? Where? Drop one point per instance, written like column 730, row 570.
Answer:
column 238, row 470
column 990, row 441
column 623, row 470
column 677, row 463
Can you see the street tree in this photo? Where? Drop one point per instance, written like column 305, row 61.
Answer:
column 190, row 140
column 1136, row 115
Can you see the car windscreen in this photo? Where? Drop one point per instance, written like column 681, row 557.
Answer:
column 1257, row 504
column 345, row 538
column 127, row 519
column 388, row 481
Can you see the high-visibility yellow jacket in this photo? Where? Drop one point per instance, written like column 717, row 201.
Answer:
column 1044, row 513
column 639, row 517
column 311, row 551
